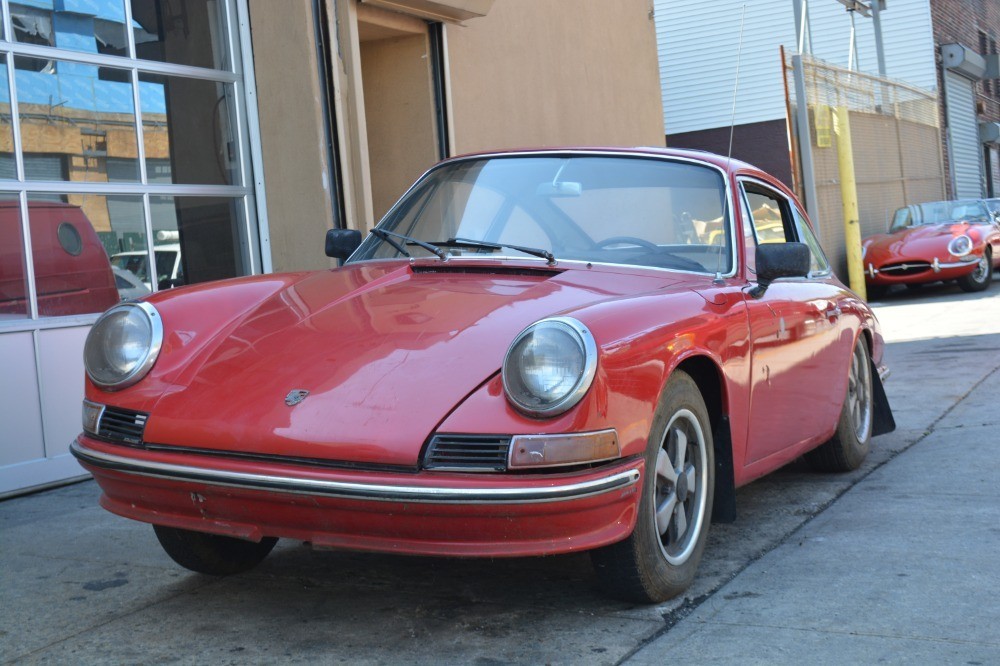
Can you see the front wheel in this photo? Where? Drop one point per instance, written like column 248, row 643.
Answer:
column 980, row 278
column 212, row 554
column 849, row 446
column 659, row 559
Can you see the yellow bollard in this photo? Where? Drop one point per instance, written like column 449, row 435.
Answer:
column 849, row 198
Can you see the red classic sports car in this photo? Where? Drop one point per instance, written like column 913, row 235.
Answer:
column 930, row 242
column 534, row 352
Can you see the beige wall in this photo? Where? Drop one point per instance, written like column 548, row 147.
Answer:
column 290, row 103
column 559, row 72
column 529, row 73
column 399, row 108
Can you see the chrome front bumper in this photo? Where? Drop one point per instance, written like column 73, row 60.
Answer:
column 472, row 493
column 935, row 266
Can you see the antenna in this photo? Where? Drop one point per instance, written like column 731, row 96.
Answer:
column 732, row 125
column 736, row 86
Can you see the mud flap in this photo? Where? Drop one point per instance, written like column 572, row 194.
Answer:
column 882, row 419
column 724, row 499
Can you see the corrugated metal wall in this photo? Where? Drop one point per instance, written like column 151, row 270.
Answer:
column 698, row 46
column 964, row 147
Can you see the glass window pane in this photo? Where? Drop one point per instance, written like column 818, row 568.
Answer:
column 198, row 239
column 77, row 245
column 186, row 33
column 73, row 118
column 188, row 131
column 13, row 276
column 93, row 26
column 7, row 168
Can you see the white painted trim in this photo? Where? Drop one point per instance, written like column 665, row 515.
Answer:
column 252, row 124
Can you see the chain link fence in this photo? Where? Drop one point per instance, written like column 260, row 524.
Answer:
column 896, row 141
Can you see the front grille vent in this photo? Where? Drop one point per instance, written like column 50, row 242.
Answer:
column 122, row 425
column 468, row 453
column 907, row 268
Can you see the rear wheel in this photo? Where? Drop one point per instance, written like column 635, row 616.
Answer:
column 212, row 554
column 980, row 278
column 849, row 446
column 659, row 559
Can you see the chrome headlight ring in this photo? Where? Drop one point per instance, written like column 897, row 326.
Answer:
column 122, row 345
column 549, row 366
column 959, row 246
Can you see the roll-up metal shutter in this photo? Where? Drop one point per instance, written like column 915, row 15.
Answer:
column 965, row 151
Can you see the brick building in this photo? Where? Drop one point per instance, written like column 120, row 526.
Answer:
column 974, row 25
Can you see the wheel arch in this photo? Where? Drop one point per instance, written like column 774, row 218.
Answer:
column 710, row 381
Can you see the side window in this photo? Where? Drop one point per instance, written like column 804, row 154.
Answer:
column 818, row 263
column 768, row 214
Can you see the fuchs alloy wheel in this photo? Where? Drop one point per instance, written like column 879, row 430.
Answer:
column 659, row 559
column 212, row 554
column 981, row 277
column 849, row 446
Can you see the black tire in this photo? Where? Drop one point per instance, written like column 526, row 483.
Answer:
column 876, row 291
column 980, row 278
column 850, row 444
column 658, row 561
column 211, row 553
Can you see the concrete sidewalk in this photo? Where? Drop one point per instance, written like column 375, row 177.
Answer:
column 903, row 568
column 898, row 561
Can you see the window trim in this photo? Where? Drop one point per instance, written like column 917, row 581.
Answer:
column 788, row 209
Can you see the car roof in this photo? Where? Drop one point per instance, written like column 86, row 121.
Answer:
column 720, row 161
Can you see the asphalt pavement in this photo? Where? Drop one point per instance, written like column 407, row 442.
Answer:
column 896, row 562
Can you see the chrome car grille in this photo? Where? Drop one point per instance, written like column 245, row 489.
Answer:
column 467, row 453
column 122, row 425
column 906, row 268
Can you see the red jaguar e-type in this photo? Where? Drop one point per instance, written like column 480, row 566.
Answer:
column 534, row 352
column 930, row 242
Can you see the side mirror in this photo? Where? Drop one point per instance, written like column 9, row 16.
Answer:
column 780, row 260
column 341, row 243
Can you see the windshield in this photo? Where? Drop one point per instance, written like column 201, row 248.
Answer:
column 941, row 212
column 134, row 263
column 618, row 210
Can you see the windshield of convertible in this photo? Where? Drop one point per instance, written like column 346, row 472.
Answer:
column 939, row 212
column 601, row 209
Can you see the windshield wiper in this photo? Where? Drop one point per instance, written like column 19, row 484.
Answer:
column 388, row 236
column 476, row 244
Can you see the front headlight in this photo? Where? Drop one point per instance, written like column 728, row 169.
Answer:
column 960, row 246
column 122, row 346
column 550, row 366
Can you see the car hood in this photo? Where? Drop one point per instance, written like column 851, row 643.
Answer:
column 925, row 241
column 385, row 352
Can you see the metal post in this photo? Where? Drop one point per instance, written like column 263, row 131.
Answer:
column 803, row 29
column 805, row 139
column 877, row 24
column 849, row 198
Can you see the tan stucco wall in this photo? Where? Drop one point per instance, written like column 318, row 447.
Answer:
column 290, row 103
column 558, row 72
column 399, row 106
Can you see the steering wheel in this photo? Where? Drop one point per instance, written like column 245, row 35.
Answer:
column 626, row 240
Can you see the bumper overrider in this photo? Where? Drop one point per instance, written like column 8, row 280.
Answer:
column 429, row 513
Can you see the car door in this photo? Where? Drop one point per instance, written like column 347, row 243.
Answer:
column 798, row 353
